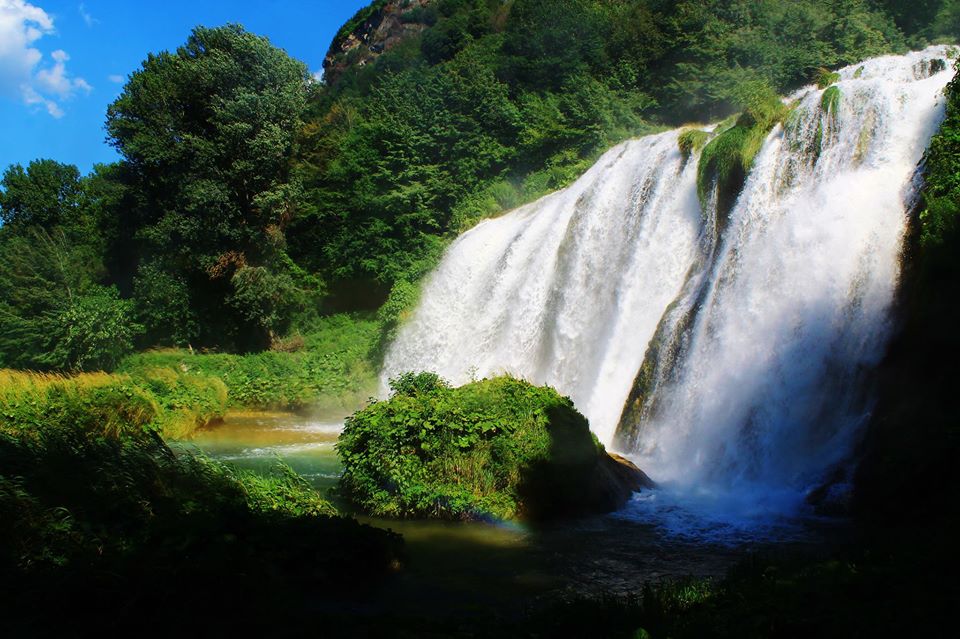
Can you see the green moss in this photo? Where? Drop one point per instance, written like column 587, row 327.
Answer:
column 818, row 141
column 498, row 447
column 692, row 141
column 825, row 78
column 661, row 354
column 865, row 137
column 830, row 101
column 725, row 163
column 858, row 73
column 791, row 126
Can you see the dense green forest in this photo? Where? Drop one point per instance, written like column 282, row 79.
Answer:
column 250, row 201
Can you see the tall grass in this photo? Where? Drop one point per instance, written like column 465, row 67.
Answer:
column 171, row 403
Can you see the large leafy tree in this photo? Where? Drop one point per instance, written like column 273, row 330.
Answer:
column 51, row 269
column 53, row 312
column 44, row 194
column 207, row 133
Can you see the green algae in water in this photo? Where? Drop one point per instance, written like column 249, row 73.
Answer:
column 865, row 137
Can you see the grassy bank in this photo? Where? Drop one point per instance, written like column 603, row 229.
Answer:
column 331, row 367
column 100, row 515
column 168, row 402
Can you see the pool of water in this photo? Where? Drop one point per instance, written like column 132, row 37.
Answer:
column 470, row 566
column 257, row 440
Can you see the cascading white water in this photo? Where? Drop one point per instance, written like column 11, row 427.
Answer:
column 566, row 291
column 765, row 393
column 780, row 317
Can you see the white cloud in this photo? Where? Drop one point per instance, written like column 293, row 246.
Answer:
column 115, row 78
column 318, row 75
column 56, row 81
column 31, row 97
column 24, row 75
column 88, row 19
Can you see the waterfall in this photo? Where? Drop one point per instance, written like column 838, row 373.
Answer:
column 740, row 357
column 566, row 291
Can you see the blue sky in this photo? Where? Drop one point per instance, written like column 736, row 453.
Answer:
column 62, row 62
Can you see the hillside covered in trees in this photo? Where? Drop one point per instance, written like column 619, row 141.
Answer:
column 252, row 200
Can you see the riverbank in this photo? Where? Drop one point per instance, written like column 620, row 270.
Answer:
column 99, row 514
column 465, row 577
column 602, row 576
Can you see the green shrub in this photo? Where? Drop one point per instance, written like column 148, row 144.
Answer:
column 361, row 16
column 118, row 528
column 413, row 384
column 498, row 447
column 94, row 332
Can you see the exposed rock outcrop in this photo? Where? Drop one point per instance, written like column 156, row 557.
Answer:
column 378, row 28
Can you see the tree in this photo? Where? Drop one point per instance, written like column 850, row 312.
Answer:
column 207, row 133
column 94, row 332
column 44, row 194
column 42, row 275
column 548, row 41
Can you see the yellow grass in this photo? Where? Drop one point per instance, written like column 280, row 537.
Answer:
column 171, row 403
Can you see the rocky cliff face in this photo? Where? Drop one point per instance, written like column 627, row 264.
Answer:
column 374, row 30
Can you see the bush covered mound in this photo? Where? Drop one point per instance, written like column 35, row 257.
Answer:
column 498, row 448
